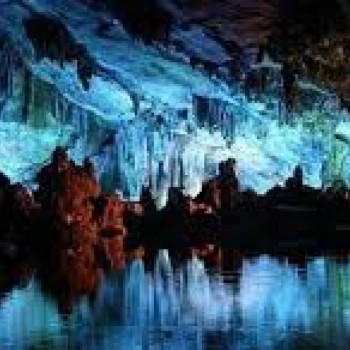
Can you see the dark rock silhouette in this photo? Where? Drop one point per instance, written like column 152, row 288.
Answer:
column 69, row 221
column 147, row 20
column 79, row 220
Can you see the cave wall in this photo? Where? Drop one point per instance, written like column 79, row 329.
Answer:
column 146, row 118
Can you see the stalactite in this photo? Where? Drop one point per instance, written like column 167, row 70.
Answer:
column 171, row 146
column 27, row 94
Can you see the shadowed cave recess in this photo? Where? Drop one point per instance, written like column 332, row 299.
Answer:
column 158, row 93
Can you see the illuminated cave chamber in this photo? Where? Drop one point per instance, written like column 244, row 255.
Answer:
column 146, row 117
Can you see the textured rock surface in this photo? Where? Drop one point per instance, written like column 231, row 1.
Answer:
column 78, row 223
column 162, row 115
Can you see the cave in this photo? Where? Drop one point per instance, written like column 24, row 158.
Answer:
column 174, row 174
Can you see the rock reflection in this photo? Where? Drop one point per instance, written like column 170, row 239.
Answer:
column 67, row 277
column 272, row 304
column 182, row 297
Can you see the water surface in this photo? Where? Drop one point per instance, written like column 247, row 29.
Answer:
column 267, row 303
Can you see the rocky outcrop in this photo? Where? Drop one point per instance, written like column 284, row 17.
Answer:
column 137, row 134
column 283, row 29
column 80, row 222
column 18, row 213
column 73, row 226
column 145, row 19
column 58, row 44
column 222, row 192
column 314, row 37
column 110, row 212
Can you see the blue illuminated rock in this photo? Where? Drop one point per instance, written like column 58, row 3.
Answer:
column 146, row 117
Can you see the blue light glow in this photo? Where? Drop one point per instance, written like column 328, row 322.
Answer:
column 271, row 304
column 165, row 122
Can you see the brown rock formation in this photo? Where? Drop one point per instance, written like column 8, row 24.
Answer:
column 222, row 192
column 84, row 224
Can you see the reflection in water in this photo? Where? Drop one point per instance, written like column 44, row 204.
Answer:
column 268, row 304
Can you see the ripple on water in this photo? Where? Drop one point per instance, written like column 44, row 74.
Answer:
column 266, row 304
